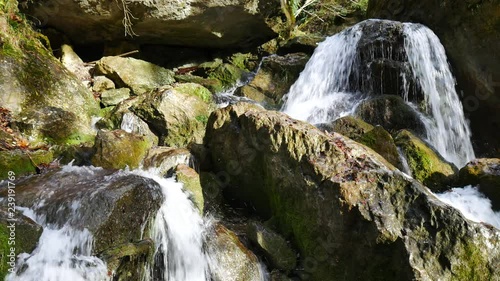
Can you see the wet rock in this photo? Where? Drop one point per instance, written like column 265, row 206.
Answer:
column 140, row 76
column 133, row 124
column 426, row 165
column 390, row 112
column 341, row 205
column 23, row 237
column 191, row 180
column 348, row 126
column 164, row 159
column 177, row 114
column 102, row 83
column 484, row 172
column 214, row 85
column 114, row 96
column 119, row 258
column 275, row 247
column 274, row 78
column 118, row 149
column 22, row 162
column 231, row 260
column 227, row 74
column 382, row 142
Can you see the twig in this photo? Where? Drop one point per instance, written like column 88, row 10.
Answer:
column 120, row 55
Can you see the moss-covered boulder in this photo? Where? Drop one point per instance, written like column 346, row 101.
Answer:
column 118, row 149
column 114, row 96
column 112, row 117
column 48, row 103
column 231, row 260
column 133, row 124
column 22, row 162
column 426, row 164
column 116, row 207
column 191, row 181
column 101, row 83
column 19, row 232
column 227, row 74
column 484, row 172
column 214, row 85
column 140, row 76
column 390, row 112
column 177, row 114
column 273, row 245
column 341, row 206
column 274, row 78
column 348, row 126
column 163, row 160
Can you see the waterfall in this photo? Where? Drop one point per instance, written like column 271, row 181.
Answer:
column 178, row 233
column 328, row 87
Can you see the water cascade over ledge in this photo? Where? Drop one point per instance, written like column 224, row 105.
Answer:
column 340, row 75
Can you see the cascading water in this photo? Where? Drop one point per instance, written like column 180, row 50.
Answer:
column 328, row 88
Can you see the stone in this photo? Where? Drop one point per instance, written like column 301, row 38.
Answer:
column 102, row 83
column 390, row 112
column 23, row 163
column 484, row 172
column 118, row 149
column 138, row 75
column 343, row 206
column 231, row 260
column 164, row 159
column 74, row 63
column 114, row 96
column 214, row 85
column 133, row 124
column 275, row 247
column 348, row 126
column 382, row 142
column 274, row 78
column 468, row 31
column 227, row 74
column 426, row 164
column 191, row 181
column 177, row 114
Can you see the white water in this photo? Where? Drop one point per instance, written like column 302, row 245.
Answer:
column 472, row 204
column 319, row 95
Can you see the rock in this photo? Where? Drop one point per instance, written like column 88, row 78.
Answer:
column 102, row 83
column 116, row 207
column 227, row 74
column 74, row 63
column 115, row 257
column 133, row 124
column 214, row 85
column 118, row 149
column 468, row 32
column 48, row 103
column 26, row 236
column 485, row 173
column 191, row 181
column 212, row 188
column 300, row 44
column 177, row 114
column 113, row 117
column 247, row 61
column 426, row 165
column 342, row 207
column 210, row 24
column 382, row 142
column 23, row 162
column 390, row 112
column 348, row 126
column 274, row 78
column 231, row 260
column 140, row 76
column 164, row 159
column 278, row 276
column 275, row 247
column 114, row 96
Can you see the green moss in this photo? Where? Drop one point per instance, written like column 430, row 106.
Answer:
column 4, row 251
column 202, row 119
column 20, row 163
column 472, row 265
column 226, row 73
column 196, row 90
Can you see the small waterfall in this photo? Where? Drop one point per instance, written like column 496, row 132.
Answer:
column 448, row 130
column 178, row 233
column 321, row 92
column 333, row 83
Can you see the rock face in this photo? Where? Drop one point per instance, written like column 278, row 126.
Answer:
column 191, row 180
column 469, row 32
column 177, row 114
column 213, row 23
column 108, row 203
column 274, row 78
column 48, row 103
column 485, row 173
column 341, row 206
column 426, row 165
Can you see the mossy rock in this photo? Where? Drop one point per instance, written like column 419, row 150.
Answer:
column 27, row 234
column 348, row 126
column 382, row 142
column 118, row 149
column 426, row 165
column 245, row 61
column 214, row 85
column 114, row 96
column 23, row 162
column 191, row 181
column 228, row 74
column 177, row 114
column 484, row 172
column 112, row 116
column 164, row 159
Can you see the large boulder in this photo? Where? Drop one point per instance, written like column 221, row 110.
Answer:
column 213, row 23
column 116, row 207
column 47, row 102
column 469, row 32
column 484, row 172
column 341, row 205
column 274, row 78
column 177, row 114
